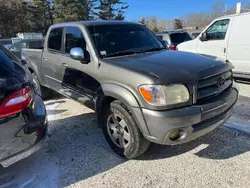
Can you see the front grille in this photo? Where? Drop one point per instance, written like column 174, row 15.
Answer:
column 213, row 86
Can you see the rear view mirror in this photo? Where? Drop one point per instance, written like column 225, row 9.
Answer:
column 78, row 54
column 204, row 37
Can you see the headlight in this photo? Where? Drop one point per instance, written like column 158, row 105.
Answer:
column 176, row 94
column 153, row 94
column 164, row 95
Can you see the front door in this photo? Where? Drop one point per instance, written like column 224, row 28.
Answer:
column 78, row 81
column 52, row 65
column 216, row 44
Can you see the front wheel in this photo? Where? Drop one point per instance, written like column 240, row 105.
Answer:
column 121, row 131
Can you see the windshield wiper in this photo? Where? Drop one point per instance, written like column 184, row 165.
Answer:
column 154, row 49
column 121, row 53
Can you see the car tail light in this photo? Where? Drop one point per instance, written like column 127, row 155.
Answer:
column 16, row 102
column 40, row 131
column 172, row 47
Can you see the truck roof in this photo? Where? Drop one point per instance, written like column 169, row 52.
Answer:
column 232, row 15
column 94, row 22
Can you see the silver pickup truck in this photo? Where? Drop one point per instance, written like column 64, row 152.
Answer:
column 141, row 91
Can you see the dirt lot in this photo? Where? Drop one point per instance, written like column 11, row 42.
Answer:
column 77, row 155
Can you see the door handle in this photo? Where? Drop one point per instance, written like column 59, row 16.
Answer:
column 64, row 65
column 44, row 59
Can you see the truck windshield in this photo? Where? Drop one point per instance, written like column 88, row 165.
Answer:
column 123, row 39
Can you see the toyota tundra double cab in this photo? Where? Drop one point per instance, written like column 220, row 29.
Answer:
column 141, row 91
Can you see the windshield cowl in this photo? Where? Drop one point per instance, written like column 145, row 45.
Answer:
column 131, row 52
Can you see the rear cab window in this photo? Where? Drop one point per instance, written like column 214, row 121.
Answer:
column 36, row 44
column 55, row 39
column 177, row 38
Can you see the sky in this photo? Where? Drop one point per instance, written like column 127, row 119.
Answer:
column 170, row 9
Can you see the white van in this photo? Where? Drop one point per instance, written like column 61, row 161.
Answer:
column 226, row 38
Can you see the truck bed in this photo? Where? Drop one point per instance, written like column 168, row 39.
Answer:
column 33, row 58
column 35, row 55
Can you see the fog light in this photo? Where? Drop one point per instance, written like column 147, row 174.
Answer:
column 174, row 134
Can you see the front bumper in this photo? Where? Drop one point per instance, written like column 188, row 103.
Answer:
column 192, row 122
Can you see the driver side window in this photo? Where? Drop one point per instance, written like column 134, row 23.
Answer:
column 74, row 38
column 218, row 30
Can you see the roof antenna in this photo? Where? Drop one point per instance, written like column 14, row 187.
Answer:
column 238, row 8
column 225, row 11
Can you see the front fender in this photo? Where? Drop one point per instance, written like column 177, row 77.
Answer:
column 120, row 93
column 126, row 97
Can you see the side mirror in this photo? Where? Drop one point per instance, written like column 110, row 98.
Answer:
column 204, row 37
column 78, row 54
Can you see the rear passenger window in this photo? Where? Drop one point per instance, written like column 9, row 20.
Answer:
column 74, row 38
column 55, row 39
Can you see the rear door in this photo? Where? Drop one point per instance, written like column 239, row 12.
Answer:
column 78, row 82
column 51, row 60
column 217, row 38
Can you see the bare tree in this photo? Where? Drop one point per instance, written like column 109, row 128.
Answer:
column 202, row 19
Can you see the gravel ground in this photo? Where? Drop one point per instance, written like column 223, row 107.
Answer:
column 241, row 114
column 77, row 155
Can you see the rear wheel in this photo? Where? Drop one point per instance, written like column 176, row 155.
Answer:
column 121, row 131
column 42, row 91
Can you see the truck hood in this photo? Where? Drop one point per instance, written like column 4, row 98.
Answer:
column 172, row 66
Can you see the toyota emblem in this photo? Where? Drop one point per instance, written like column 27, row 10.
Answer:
column 221, row 81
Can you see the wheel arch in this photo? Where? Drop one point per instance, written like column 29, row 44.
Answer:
column 110, row 92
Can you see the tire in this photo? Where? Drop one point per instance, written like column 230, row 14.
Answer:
column 115, row 121
column 42, row 91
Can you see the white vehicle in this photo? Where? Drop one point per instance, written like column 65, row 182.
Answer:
column 226, row 38
column 29, row 35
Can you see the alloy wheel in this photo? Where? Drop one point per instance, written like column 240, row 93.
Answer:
column 118, row 130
